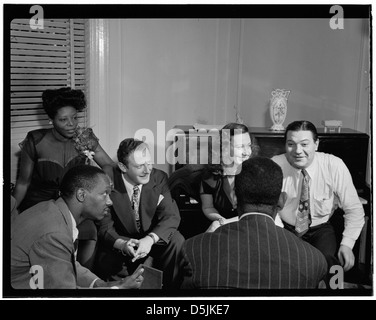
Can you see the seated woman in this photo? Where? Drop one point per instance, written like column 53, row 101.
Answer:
column 47, row 154
column 217, row 193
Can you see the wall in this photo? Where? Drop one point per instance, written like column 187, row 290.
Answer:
column 176, row 71
column 322, row 68
column 183, row 71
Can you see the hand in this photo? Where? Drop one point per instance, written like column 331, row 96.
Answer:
column 346, row 257
column 214, row 225
column 130, row 246
column 132, row 282
column 144, row 247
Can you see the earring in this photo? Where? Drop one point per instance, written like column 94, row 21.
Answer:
column 50, row 121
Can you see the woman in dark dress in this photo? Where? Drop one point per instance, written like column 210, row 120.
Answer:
column 217, row 187
column 47, row 154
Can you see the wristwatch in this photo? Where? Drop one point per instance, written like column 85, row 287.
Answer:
column 221, row 221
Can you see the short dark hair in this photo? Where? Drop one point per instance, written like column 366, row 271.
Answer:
column 54, row 99
column 82, row 176
column 259, row 182
column 126, row 147
column 302, row 125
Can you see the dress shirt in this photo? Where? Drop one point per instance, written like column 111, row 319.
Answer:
column 130, row 187
column 330, row 186
column 74, row 231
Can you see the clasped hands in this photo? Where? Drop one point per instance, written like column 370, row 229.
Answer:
column 137, row 249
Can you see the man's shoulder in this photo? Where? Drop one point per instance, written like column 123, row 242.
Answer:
column 158, row 175
column 40, row 207
column 207, row 239
column 296, row 242
column 279, row 158
column 42, row 218
column 158, row 172
column 327, row 158
column 202, row 238
column 329, row 162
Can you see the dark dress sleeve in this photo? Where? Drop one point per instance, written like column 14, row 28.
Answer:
column 214, row 186
column 28, row 145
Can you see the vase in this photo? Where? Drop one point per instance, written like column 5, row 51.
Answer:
column 278, row 108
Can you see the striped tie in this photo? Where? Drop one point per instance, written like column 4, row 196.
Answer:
column 303, row 218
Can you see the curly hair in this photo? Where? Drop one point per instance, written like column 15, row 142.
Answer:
column 231, row 128
column 54, row 99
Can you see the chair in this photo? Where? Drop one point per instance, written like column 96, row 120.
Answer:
column 186, row 180
column 184, row 184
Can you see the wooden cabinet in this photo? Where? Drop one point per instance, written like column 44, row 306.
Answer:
column 349, row 145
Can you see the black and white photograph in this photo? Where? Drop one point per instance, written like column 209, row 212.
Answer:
column 190, row 151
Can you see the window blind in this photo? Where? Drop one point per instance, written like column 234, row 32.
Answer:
column 48, row 58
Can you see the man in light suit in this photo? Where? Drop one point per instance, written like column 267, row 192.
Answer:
column 141, row 224
column 253, row 253
column 43, row 236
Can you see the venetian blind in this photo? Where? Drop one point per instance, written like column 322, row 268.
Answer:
column 48, row 58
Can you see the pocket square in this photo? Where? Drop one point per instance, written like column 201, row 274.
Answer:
column 161, row 197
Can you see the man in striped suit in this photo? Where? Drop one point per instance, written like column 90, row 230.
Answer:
column 253, row 253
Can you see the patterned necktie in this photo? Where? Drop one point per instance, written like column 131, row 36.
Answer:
column 135, row 205
column 303, row 218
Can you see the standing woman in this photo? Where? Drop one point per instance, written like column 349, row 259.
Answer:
column 217, row 187
column 47, row 154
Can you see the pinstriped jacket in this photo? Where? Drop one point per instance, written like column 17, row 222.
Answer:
column 253, row 253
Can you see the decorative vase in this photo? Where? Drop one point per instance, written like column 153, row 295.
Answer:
column 278, row 108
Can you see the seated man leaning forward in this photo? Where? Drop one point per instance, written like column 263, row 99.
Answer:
column 43, row 237
column 325, row 183
column 144, row 218
column 252, row 253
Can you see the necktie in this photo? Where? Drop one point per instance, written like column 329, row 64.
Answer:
column 135, row 205
column 303, row 218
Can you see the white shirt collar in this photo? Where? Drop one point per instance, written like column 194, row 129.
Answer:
column 129, row 187
column 74, row 227
column 255, row 213
column 311, row 169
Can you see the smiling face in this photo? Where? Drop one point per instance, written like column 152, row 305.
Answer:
column 139, row 166
column 97, row 201
column 300, row 148
column 65, row 121
column 241, row 144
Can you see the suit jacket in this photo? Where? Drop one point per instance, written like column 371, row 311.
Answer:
column 157, row 215
column 42, row 236
column 253, row 253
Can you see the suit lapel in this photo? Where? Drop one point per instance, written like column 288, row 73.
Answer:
column 122, row 204
column 147, row 200
column 60, row 203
